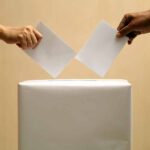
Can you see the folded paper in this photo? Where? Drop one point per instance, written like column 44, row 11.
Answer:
column 101, row 49
column 52, row 53
column 75, row 115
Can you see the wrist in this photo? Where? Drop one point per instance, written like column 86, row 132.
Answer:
column 2, row 32
column 148, row 17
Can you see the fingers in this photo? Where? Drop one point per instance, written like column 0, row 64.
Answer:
column 22, row 42
column 29, row 38
column 132, row 36
column 130, row 41
column 37, row 34
column 125, row 21
column 125, row 26
column 34, row 35
column 124, row 31
column 38, row 37
column 34, row 40
column 122, row 23
column 30, row 44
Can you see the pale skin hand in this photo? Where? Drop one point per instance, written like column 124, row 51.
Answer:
column 24, row 37
column 134, row 24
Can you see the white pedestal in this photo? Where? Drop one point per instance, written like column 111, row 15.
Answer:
column 75, row 115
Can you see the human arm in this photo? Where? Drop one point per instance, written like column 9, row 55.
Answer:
column 25, row 37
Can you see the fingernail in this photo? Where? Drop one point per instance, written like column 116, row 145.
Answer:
column 118, row 35
column 41, row 35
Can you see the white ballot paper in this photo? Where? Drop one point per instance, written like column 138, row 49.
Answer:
column 52, row 53
column 101, row 49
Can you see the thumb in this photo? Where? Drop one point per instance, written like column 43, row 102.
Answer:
column 124, row 31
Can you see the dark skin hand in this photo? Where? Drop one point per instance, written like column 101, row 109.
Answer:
column 134, row 24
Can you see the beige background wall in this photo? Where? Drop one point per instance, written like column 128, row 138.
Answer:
column 73, row 20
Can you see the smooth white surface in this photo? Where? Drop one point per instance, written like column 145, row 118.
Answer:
column 101, row 49
column 75, row 115
column 52, row 53
column 76, row 82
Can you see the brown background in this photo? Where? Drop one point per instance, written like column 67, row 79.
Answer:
column 74, row 21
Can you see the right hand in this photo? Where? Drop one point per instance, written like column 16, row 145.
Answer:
column 25, row 37
column 134, row 24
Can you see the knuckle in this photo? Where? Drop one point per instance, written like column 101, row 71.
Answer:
column 132, row 25
column 25, row 31
column 29, row 28
column 131, row 16
column 128, row 15
column 20, row 36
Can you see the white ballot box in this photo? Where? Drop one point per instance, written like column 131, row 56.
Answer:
column 75, row 115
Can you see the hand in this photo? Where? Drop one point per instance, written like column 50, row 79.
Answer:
column 25, row 37
column 134, row 24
